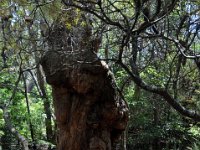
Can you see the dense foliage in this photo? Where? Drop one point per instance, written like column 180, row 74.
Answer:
column 151, row 46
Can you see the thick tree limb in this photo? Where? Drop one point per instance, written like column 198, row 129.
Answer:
column 163, row 93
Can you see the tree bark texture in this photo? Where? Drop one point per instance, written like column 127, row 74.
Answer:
column 89, row 111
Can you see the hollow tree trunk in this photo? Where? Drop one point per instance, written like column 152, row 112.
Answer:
column 89, row 111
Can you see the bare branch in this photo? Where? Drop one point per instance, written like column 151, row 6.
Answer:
column 163, row 93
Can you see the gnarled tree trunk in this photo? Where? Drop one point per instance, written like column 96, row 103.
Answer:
column 89, row 111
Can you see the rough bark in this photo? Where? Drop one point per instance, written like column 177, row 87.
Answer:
column 89, row 111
